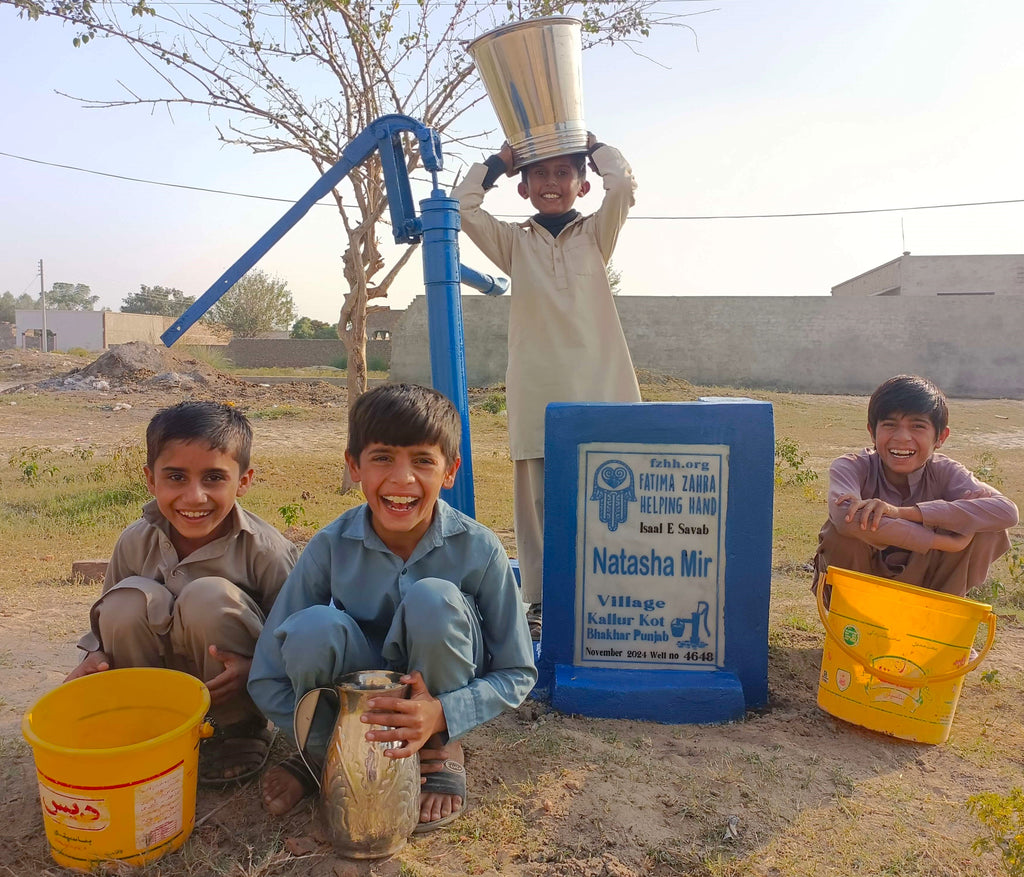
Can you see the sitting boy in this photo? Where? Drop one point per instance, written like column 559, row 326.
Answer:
column 901, row 511
column 402, row 582
column 189, row 584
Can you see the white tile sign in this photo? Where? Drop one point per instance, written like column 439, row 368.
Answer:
column 650, row 566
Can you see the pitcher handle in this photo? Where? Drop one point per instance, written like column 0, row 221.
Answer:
column 895, row 678
column 302, row 722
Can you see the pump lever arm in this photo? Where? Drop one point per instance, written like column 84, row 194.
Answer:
column 382, row 134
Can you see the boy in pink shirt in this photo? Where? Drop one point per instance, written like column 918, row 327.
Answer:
column 901, row 511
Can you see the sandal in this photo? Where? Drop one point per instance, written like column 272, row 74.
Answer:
column 449, row 781
column 235, row 753
column 534, row 619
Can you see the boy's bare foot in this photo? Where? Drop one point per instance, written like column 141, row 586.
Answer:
column 286, row 784
column 444, row 785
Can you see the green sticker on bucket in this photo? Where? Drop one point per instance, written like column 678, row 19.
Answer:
column 850, row 635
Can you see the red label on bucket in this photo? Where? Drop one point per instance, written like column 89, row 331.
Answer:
column 79, row 813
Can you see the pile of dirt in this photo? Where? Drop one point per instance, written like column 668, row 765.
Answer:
column 137, row 363
column 137, row 367
column 19, row 366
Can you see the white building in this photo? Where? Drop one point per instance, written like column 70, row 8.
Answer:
column 98, row 330
column 939, row 275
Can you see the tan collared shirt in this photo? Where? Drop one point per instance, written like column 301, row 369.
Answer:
column 253, row 555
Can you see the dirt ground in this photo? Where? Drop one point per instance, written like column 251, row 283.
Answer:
column 788, row 792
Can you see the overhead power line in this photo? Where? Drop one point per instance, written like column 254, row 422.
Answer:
column 632, row 217
column 84, row 170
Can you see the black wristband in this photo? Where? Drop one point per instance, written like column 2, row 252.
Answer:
column 495, row 168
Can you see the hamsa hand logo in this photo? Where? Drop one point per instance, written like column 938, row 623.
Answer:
column 613, row 491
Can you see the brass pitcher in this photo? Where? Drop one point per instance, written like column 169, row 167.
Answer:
column 370, row 802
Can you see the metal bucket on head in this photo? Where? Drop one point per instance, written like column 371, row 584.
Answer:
column 533, row 73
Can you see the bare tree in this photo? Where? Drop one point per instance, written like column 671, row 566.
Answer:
column 309, row 75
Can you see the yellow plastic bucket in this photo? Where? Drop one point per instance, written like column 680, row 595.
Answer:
column 117, row 759
column 895, row 655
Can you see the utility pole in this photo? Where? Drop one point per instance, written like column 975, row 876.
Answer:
column 42, row 295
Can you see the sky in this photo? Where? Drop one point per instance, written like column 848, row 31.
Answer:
column 770, row 107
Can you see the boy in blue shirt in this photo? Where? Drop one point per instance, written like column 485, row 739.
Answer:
column 402, row 582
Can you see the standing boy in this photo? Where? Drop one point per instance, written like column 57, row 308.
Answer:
column 565, row 342
column 190, row 583
column 402, row 582
column 901, row 511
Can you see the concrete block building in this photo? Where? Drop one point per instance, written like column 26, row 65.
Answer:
column 939, row 275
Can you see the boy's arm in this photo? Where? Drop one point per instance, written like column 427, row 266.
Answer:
column 973, row 507
column 493, row 238
column 619, row 186
column 847, row 508
column 271, row 567
column 970, row 506
column 511, row 673
column 308, row 584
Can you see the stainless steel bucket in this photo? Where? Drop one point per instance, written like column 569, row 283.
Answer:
column 533, row 74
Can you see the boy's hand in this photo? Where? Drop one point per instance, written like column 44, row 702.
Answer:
column 873, row 510
column 93, row 662
column 505, row 153
column 591, row 143
column 231, row 683
column 413, row 720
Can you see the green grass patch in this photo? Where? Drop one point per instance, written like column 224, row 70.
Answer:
column 71, row 511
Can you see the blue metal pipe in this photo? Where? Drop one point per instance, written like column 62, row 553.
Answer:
column 485, row 283
column 439, row 216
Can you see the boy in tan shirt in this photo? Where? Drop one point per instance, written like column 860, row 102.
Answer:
column 190, row 584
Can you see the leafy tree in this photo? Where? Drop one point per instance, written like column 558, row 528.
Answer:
column 257, row 304
column 309, row 75
column 308, row 328
column 71, row 297
column 26, row 302
column 7, row 306
column 614, row 278
column 161, row 300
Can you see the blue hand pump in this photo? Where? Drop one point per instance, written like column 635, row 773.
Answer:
column 442, row 272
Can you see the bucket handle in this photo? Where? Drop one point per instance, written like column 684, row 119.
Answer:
column 302, row 722
column 894, row 678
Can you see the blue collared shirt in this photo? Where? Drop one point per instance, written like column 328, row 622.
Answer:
column 347, row 564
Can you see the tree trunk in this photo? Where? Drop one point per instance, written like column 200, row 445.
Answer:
column 352, row 331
